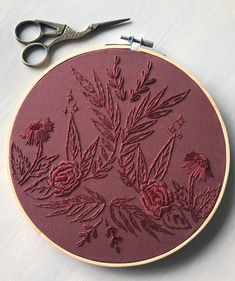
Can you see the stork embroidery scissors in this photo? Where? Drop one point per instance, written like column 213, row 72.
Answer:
column 61, row 32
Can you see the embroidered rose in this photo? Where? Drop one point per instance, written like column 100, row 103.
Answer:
column 37, row 131
column 197, row 166
column 156, row 199
column 65, row 177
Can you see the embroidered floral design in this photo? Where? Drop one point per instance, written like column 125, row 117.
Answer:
column 36, row 134
column 65, row 177
column 160, row 208
column 156, row 199
column 197, row 166
column 137, row 128
column 38, row 131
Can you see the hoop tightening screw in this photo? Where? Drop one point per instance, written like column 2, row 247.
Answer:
column 141, row 41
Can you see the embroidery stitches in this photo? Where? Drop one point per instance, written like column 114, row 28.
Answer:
column 111, row 232
column 116, row 82
column 83, row 208
column 90, row 232
column 132, row 219
column 137, row 128
column 36, row 133
column 142, row 84
column 160, row 208
column 107, row 122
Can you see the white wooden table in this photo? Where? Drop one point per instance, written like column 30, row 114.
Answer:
column 200, row 35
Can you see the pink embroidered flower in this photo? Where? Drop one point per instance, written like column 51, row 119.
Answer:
column 197, row 166
column 156, row 199
column 37, row 131
column 65, row 177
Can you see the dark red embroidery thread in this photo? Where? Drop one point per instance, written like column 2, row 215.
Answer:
column 36, row 133
column 132, row 219
column 106, row 122
column 111, row 232
column 137, row 128
column 160, row 208
column 116, row 81
column 81, row 207
column 90, row 232
column 142, row 84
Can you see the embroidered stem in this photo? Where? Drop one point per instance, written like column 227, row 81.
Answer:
column 116, row 81
column 190, row 190
column 34, row 164
column 91, row 232
column 191, row 196
column 115, row 239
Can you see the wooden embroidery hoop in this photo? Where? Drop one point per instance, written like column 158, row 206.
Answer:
column 129, row 264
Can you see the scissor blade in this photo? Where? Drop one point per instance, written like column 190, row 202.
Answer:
column 110, row 23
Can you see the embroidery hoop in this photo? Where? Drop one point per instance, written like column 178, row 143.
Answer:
column 206, row 221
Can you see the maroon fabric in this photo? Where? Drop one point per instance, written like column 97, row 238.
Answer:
column 109, row 182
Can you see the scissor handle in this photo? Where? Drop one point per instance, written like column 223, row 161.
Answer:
column 23, row 25
column 32, row 48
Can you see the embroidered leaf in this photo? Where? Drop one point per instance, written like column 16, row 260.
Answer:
column 205, row 201
column 125, row 220
column 181, row 196
column 105, row 121
column 99, row 87
column 155, row 100
column 117, row 117
column 176, row 219
column 89, row 212
column 139, row 137
column 129, row 148
column 174, row 100
column 142, row 170
column 160, row 165
column 121, row 200
column 73, row 146
column 158, row 113
column 89, row 233
column 106, row 133
column 128, row 159
column 155, row 111
column 111, row 233
column 39, row 189
column 43, row 165
column 83, row 207
column 88, row 157
column 86, row 84
column 143, row 126
column 116, row 81
column 142, row 84
column 141, row 108
column 96, row 195
column 19, row 162
column 109, row 101
column 115, row 219
column 132, row 219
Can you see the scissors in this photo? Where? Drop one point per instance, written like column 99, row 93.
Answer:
column 61, row 32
